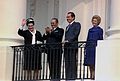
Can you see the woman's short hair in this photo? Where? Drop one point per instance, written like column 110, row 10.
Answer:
column 30, row 20
column 97, row 17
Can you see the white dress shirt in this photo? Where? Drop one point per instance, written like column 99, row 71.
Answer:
column 33, row 36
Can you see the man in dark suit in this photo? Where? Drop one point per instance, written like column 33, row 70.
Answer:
column 53, row 37
column 32, row 56
column 71, row 46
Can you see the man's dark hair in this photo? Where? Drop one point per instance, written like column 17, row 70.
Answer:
column 55, row 19
column 72, row 14
column 30, row 20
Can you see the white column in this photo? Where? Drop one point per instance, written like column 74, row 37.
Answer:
column 12, row 12
column 108, row 60
column 108, row 52
column 114, row 31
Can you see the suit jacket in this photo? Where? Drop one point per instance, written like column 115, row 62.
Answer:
column 72, row 33
column 28, row 36
column 54, row 37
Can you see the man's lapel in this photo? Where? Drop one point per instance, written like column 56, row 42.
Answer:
column 69, row 27
column 56, row 30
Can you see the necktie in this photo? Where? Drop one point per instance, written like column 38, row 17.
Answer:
column 67, row 27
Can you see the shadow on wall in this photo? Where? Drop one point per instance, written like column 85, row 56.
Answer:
column 86, row 1
column 76, row 2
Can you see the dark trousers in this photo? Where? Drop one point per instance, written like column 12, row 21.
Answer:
column 54, row 60
column 70, row 62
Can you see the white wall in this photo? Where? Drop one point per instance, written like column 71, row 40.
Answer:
column 42, row 11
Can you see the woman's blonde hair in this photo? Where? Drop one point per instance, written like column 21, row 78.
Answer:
column 97, row 17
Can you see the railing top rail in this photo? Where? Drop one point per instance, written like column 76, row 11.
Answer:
column 42, row 44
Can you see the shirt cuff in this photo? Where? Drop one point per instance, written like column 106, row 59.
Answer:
column 21, row 28
column 45, row 33
column 66, row 41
